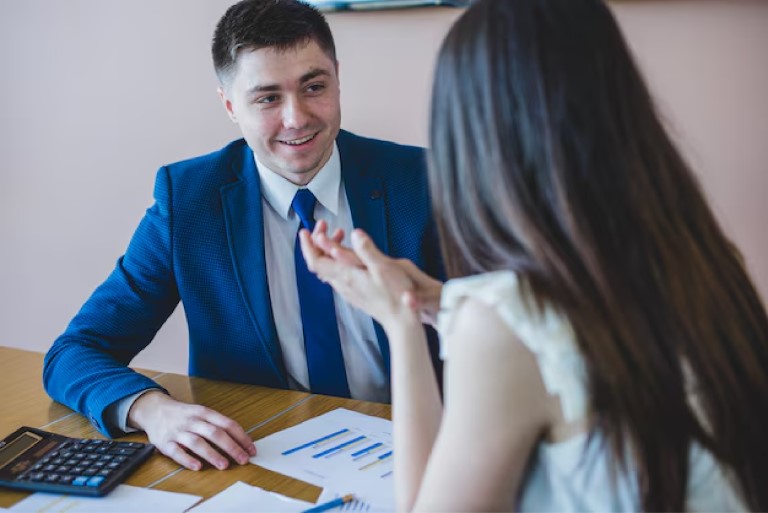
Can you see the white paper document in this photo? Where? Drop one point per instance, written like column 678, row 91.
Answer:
column 356, row 504
column 342, row 450
column 123, row 499
column 244, row 498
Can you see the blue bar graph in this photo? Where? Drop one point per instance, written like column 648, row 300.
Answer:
column 338, row 447
column 313, row 442
column 363, row 452
column 378, row 460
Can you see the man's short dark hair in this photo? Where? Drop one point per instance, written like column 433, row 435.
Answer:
column 279, row 24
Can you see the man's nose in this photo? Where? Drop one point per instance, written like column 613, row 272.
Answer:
column 295, row 113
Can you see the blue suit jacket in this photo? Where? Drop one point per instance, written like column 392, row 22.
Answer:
column 202, row 243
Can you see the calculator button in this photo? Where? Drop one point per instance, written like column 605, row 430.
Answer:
column 102, row 449
column 124, row 451
column 37, row 476
column 120, row 459
column 113, row 464
column 95, row 480
column 58, row 461
column 52, row 478
column 92, row 456
column 104, row 472
column 80, row 480
column 49, row 468
column 78, row 469
column 66, row 479
column 89, row 472
column 65, row 468
column 77, row 456
column 98, row 464
column 130, row 445
column 106, row 457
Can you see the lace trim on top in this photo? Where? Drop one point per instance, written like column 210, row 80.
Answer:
column 547, row 334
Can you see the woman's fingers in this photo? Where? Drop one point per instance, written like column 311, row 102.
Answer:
column 312, row 253
column 338, row 236
column 365, row 249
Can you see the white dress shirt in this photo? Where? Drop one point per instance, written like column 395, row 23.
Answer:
column 363, row 362
column 366, row 375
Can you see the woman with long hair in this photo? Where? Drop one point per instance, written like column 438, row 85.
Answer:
column 604, row 346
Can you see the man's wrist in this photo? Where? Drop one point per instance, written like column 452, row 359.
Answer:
column 142, row 406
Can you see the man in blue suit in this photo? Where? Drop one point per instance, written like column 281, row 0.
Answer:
column 221, row 238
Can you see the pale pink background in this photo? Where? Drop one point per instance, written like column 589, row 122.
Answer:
column 95, row 95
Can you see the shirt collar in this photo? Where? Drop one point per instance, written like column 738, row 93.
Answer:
column 279, row 192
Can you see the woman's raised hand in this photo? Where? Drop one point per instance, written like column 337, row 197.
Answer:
column 390, row 290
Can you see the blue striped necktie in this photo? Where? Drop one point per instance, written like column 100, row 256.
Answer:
column 325, row 361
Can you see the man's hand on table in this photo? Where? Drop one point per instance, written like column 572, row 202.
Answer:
column 189, row 433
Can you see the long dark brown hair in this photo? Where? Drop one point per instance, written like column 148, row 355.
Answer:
column 548, row 159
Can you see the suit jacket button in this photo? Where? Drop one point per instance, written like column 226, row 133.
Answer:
column 375, row 194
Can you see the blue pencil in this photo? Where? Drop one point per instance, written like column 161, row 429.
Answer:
column 335, row 503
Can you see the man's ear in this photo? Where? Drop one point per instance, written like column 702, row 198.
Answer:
column 227, row 104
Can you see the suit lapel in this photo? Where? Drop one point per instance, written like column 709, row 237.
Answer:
column 241, row 202
column 365, row 192
column 364, row 186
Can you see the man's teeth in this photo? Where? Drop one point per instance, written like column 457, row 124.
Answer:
column 297, row 142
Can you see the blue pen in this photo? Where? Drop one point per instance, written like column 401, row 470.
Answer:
column 335, row 503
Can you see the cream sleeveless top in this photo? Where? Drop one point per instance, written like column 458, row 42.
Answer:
column 572, row 475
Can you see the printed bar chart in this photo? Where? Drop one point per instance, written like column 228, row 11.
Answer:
column 342, row 450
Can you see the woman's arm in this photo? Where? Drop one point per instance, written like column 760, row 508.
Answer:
column 496, row 410
column 416, row 409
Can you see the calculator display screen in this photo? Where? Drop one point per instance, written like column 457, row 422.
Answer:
column 17, row 447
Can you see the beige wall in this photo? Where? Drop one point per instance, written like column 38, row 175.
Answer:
column 96, row 95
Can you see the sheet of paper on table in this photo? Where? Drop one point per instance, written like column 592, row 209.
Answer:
column 123, row 499
column 342, row 450
column 244, row 498
column 357, row 504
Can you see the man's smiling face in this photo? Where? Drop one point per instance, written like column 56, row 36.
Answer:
column 287, row 105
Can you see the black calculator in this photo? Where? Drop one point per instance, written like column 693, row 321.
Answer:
column 36, row 460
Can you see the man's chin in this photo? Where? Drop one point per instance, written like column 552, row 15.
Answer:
column 300, row 175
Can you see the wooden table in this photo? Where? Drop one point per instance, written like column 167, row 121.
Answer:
column 261, row 411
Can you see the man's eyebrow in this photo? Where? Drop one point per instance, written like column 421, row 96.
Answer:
column 306, row 77
column 262, row 89
column 311, row 75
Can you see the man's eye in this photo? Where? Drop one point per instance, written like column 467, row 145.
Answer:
column 315, row 88
column 267, row 99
